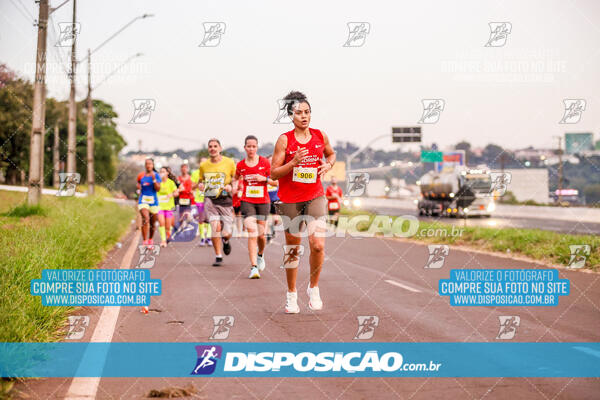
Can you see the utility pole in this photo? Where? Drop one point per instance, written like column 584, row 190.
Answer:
column 55, row 157
column 560, row 170
column 37, row 125
column 72, row 125
column 90, row 131
column 43, row 137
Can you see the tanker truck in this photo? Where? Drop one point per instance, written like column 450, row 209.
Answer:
column 456, row 192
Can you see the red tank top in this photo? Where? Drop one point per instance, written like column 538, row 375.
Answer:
column 256, row 193
column 303, row 182
column 185, row 191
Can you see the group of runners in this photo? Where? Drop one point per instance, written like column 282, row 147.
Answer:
column 283, row 189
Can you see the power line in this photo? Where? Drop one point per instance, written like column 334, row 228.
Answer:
column 26, row 10
column 55, row 40
column 30, row 20
column 160, row 133
column 57, row 54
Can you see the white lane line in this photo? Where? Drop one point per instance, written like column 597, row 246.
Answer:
column 382, row 275
column 411, row 289
column 86, row 388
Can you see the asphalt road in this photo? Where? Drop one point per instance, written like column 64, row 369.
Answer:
column 368, row 276
column 581, row 227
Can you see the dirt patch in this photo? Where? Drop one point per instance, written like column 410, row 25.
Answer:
column 172, row 392
column 7, row 226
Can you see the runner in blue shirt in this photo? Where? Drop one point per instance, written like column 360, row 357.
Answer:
column 148, row 183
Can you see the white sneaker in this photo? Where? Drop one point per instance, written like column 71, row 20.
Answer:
column 314, row 302
column 254, row 273
column 291, row 303
column 260, row 262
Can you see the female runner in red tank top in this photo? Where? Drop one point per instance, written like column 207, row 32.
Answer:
column 298, row 165
column 252, row 174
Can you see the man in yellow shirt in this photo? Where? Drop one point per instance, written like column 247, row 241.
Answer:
column 216, row 178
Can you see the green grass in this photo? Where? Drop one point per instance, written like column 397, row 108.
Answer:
column 546, row 246
column 62, row 233
column 24, row 210
column 99, row 190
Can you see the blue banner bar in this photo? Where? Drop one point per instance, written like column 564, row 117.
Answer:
column 302, row 359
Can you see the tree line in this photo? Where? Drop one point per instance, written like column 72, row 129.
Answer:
column 16, row 99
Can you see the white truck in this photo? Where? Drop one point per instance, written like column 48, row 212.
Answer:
column 458, row 191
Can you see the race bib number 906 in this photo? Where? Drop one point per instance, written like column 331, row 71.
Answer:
column 304, row 175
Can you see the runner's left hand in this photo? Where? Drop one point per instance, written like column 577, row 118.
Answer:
column 324, row 168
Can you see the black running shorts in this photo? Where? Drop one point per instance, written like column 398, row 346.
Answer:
column 260, row 211
column 293, row 213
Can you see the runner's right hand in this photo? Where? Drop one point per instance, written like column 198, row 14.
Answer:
column 300, row 155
